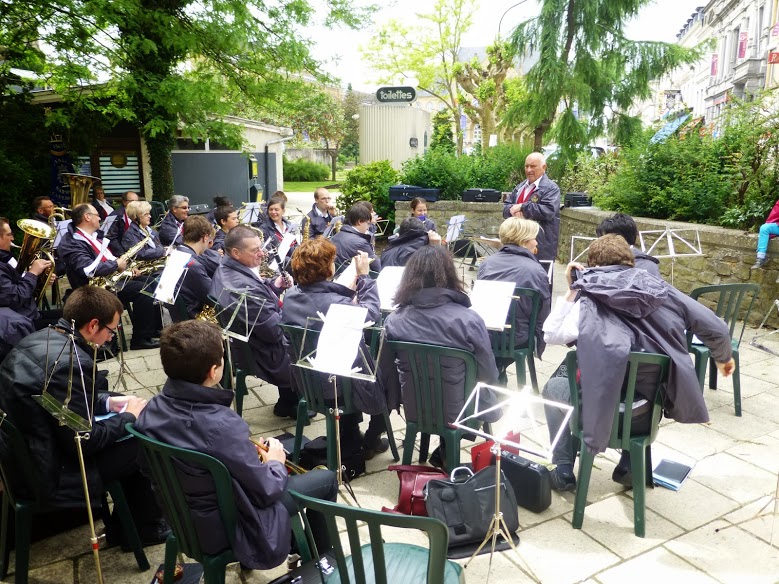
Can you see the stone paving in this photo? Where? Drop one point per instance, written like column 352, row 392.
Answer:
column 717, row 528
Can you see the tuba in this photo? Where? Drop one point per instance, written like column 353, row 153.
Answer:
column 37, row 237
column 80, row 185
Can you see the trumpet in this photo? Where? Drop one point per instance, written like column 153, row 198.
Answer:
column 292, row 468
column 37, row 236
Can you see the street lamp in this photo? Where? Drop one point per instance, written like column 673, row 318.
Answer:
column 504, row 14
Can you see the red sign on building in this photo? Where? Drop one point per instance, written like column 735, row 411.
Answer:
column 743, row 38
column 773, row 58
column 714, row 62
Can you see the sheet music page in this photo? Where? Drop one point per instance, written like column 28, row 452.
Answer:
column 249, row 212
column 491, row 300
column 106, row 226
column 286, row 243
column 454, row 227
column 174, row 268
column 387, row 283
column 62, row 229
column 347, row 276
column 339, row 341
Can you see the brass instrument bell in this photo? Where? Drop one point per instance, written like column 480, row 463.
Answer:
column 80, row 185
column 37, row 235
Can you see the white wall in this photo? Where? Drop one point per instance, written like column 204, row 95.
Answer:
column 386, row 131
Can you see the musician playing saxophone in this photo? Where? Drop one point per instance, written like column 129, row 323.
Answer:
column 193, row 412
column 198, row 236
column 321, row 214
column 139, row 213
column 85, row 252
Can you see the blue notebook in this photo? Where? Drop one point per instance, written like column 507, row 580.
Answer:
column 670, row 474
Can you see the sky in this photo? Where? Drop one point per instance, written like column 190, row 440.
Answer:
column 659, row 21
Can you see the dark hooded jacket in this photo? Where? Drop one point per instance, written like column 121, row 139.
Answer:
column 78, row 254
column 302, row 302
column 267, row 344
column 514, row 263
column 399, row 249
column 626, row 309
column 348, row 242
column 646, row 262
column 13, row 328
column 195, row 287
column 170, row 230
column 440, row 316
column 543, row 207
column 16, row 290
column 116, row 231
column 52, row 448
column 135, row 235
column 316, row 223
column 199, row 418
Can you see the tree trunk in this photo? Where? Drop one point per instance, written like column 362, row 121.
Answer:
column 334, row 161
column 160, row 147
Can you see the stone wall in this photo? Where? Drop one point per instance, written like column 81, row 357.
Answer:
column 727, row 256
column 481, row 218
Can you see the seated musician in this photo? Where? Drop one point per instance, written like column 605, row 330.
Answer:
column 226, row 217
column 43, row 208
column 173, row 222
column 91, row 314
column 239, row 271
column 198, row 234
column 313, row 264
column 120, row 224
column 275, row 226
column 433, row 309
column 139, row 213
column 418, row 207
column 219, row 201
column 516, row 262
column 624, row 225
column 355, row 236
column 610, row 310
column 411, row 236
column 85, row 253
column 193, row 412
column 321, row 214
column 100, row 203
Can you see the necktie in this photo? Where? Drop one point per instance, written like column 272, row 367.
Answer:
column 526, row 192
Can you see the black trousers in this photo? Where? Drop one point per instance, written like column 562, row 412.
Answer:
column 320, row 484
column 146, row 317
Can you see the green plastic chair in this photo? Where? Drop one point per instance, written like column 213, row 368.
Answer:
column 236, row 381
column 503, row 341
column 24, row 497
column 729, row 301
column 638, row 446
column 425, row 367
column 310, row 382
column 378, row 561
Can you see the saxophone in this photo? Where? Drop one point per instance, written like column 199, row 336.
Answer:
column 111, row 281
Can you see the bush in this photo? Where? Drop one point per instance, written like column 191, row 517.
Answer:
column 302, row 170
column 370, row 182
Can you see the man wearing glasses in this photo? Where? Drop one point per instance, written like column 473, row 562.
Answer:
column 173, row 223
column 85, row 254
column 90, row 318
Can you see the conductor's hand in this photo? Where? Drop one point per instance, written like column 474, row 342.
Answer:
column 726, row 369
column 363, row 263
column 275, row 451
column 516, row 210
column 121, row 264
column 39, row 266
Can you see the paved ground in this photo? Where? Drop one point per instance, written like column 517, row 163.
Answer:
column 717, row 528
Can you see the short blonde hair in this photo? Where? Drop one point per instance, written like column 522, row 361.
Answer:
column 136, row 209
column 517, row 231
column 610, row 250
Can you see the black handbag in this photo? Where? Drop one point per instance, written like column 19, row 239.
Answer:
column 468, row 506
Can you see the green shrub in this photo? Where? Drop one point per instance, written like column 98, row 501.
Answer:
column 302, row 170
column 370, row 182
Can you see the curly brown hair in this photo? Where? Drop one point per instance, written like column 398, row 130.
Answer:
column 313, row 260
column 610, row 250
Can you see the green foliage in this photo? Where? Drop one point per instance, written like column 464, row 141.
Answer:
column 302, row 170
column 370, row 182
column 350, row 146
column 498, row 168
column 587, row 174
column 443, row 138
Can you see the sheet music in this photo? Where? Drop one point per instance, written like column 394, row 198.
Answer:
column 339, row 340
column 387, row 283
column 491, row 300
column 62, row 229
column 284, row 247
column 249, row 213
column 455, row 227
column 347, row 276
column 549, row 266
column 174, row 268
column 108, row 222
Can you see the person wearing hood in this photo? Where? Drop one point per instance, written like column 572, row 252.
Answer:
column 624, row 225
column 516, row 262
column 610, row 310
column 433, row 309
column 411, row 236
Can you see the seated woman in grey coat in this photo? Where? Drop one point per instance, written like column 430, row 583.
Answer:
column 433, row 309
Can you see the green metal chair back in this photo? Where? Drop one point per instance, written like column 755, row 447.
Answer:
column 730, row 299
column 621, row 433
column 166, row 462
column 378, row 561
column 503, row 345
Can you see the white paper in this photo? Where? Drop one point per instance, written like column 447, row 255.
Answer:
column 347, row 276
column 106, row 226
column 549, row 267
column 454, row 227
column 387, row 283
column 339, row 340
column 249, row 212
column 171, row 274
column 491, row 299
column 286, row 244
column 62, row 229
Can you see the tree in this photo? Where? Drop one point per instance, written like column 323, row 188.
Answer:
column 428, row 51
column 167, row 65
column 322, row 117
column 586, row 65
column 442, row 139
column 351, row 142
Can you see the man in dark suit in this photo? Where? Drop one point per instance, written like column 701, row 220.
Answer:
column 43, row 207
column 537, row 198
column 120, row 224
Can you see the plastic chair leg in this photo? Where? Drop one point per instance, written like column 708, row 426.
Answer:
column 391, row 437
column 408, row 442
column 171, row 550
column 531, row 365
column 638, row 465
column 424, row 446
column 712, row 374
column 240, row 391
column 128, row 525
column 23, row 519
column 452, row 453
column 519, row 363
column 701, row 359
column 737, row 385
column 299, row 424
column 582, row 486
column 213, row 572
column 5, row 544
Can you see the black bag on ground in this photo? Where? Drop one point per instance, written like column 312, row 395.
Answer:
column 530, row 481
column 314, row 454
column 468, row 506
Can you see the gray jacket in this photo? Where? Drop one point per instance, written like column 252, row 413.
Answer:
column 348, row 241
column 626, row 309
column 515, row 263
column 646, row 262
column 543, row 207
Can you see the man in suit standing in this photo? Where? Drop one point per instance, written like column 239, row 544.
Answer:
column 537, row 198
